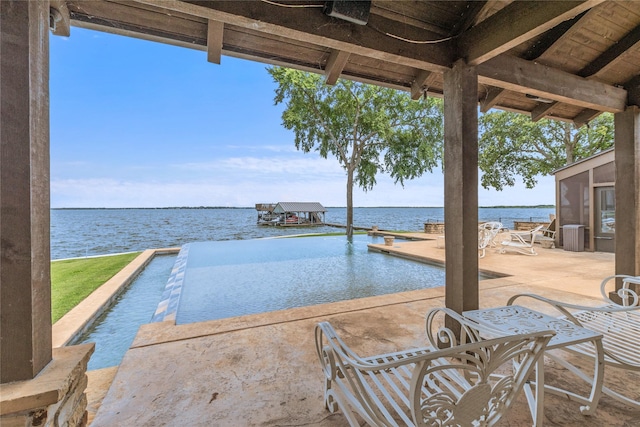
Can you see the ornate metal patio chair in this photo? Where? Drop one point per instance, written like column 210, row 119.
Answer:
column 519, row 242
column 487, row 233
column 619, row 324
column 450, row 382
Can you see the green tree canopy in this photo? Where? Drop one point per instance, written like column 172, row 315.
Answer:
column 512, row 145
column 369, row 129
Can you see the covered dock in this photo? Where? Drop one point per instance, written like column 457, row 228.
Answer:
column 291, row 214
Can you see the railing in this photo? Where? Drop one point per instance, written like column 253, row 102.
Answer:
column 507, row 222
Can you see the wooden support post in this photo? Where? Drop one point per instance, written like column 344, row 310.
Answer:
column 627, row 159
column 25, row 284
column 461, row 186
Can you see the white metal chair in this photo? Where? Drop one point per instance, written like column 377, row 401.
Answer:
column 619, row 325
column 446, row 383
column 522, row 242
column 487, row 233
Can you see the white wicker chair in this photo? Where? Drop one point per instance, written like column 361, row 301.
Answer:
column 473, row 383
column 619, row 325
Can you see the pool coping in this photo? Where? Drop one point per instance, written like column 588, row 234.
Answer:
column 80, row 318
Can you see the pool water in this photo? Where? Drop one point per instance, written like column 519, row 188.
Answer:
column 235, row 278
column 114, row 331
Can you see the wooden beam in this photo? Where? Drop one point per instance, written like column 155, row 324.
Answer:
column 310, row 25
column 630, row 41
column 327, row 32
column 515, row 24
column 130, row 21
column 633, row 91
column 489, row 8
column 335, row 64
column 585, row 117
column 215, row 32
column 558, row 33
column 627, row 160
column 494, row 95
column 421, row 84
column 461, row 187
column 469, row 19
column 59, row 18
column 540, row 80
column 542, row 110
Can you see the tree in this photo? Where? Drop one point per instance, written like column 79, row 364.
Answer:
column 369, row 129
column 512, row 145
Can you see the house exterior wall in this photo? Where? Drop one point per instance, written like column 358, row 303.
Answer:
column 575, row 194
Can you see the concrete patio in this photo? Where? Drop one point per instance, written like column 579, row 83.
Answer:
column 263, row 370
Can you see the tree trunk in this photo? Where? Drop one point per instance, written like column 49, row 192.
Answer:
column 569, row 143
column 349, row 203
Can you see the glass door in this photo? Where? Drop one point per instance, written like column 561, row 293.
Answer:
column 605, row 221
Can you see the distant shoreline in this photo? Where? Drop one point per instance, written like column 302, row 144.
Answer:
column 337, row 207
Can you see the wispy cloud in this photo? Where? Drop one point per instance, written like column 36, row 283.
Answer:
column 269, row 167
column 425, row 191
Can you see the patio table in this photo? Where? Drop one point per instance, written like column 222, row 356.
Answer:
column 518, row 320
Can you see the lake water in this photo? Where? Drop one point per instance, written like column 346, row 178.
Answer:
column 87, row 232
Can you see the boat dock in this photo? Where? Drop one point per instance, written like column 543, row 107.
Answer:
column 291, row 214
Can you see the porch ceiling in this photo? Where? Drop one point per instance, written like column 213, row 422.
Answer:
column 568, row 60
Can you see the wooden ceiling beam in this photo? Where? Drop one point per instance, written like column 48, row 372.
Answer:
column 540, row 80
column 421, row 84
column 554, row 37
column 630, row 41
column 190, row 30
column 515, row 24
column 310, row 25
column 128, row 21
column 474, row 10
column 494, row 95
column 551, row 37
column 489, row 8
column 378, row 9
column 585, row 117
column 59, row 18
column 605, row 59
column 335, row 64
column 633, row 90
column 542, row 110
column 215, row 32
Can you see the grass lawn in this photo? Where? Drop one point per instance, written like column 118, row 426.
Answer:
column 73, row 280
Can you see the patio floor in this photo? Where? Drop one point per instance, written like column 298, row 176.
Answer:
column 262, row 370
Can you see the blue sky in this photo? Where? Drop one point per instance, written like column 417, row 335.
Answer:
column 142, row 124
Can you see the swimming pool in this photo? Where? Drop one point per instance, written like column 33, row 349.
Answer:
column 114, row 331
column 234, row 278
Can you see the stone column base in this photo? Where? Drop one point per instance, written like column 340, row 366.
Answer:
column 55, row 397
